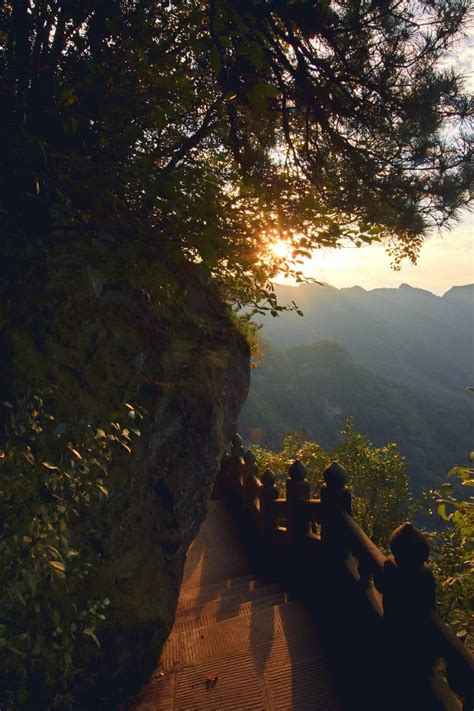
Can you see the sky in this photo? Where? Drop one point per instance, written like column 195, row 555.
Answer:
column 444, row 261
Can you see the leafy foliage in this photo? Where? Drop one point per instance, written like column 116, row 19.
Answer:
column 454, row 553
column 378, row 480
column 208, row 129
column 52, row 480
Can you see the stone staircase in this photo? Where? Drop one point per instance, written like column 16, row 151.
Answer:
column 238, row 641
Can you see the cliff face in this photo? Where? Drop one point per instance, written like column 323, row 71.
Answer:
column 104, row 327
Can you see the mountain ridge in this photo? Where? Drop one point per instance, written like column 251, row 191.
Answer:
column 315, row 387
column 397, row 360
column 408, row 335
column 468, row 288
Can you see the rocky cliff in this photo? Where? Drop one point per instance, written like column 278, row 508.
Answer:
column 101, row 325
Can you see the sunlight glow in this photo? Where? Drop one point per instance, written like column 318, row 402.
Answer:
column 445, row 260
column 337, row 260
column 281, row 249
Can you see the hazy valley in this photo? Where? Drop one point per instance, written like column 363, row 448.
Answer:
column 397, row 360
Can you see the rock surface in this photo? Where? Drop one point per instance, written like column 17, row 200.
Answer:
column 104, row 326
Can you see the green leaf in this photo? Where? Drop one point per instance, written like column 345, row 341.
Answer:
column 89, row 632
column 215, row 59
column 442, row 512
column 260, row 94
column 57, row 565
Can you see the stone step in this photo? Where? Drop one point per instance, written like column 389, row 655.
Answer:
column 207, row 593
column 242, row 632
column 278, row 672
column 202, row 605
column 218, row 610
column 219, row 584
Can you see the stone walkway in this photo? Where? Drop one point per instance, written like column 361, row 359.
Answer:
column 238, row 642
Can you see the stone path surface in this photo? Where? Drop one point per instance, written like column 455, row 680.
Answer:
column 238, row 642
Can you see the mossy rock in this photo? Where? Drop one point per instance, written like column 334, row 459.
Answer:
column 99, row 331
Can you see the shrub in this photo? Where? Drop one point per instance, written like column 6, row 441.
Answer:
column 378, row 480
column 52, row 476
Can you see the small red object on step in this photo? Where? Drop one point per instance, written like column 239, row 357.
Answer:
column 211, row 681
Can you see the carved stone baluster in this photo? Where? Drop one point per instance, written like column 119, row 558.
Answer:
column 228, row 484
column 459, row 674
column 237, row 447
column 269, row 493
column 409, row 594
column 297, row 492
column 224, row 483
column 250, row 471
column 335, row 496
column 236, row 453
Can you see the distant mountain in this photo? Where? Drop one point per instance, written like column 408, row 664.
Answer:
column 315, row 387
column 397, row 360
column 461, row 293
column 407, row 335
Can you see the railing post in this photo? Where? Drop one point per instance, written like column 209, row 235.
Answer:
column 297, row 492
column 409, row 596
column 335, row 496
column 224, row 484
column 234, row 471
column 249, row 472
column 237, row 447
column 269, row 493
column 460, row 671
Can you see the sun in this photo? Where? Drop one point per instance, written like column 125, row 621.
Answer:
column 324, row 264
column 281, row 249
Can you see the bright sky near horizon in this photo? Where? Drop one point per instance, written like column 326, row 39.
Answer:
column 445, row 261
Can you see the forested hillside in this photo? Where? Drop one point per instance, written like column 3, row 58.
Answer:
column 402, row 373
column 408, row 335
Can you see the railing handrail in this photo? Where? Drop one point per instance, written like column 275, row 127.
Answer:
column 364, row 543
column 340, row 532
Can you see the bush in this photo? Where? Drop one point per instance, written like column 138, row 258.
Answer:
column 52, row 478
column 453, row 553
column 378, row 480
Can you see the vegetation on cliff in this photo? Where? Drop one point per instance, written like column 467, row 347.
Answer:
column 98, row 339
column 52, row 480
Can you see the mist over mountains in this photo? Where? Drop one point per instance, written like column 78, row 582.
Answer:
column 397, row 360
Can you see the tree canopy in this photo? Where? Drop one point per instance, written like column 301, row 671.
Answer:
column 378, row 479
column 208, row 128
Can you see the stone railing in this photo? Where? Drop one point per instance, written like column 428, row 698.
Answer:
column 400, row 588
